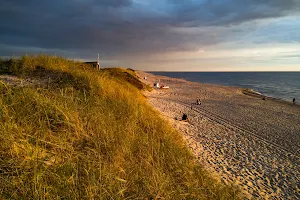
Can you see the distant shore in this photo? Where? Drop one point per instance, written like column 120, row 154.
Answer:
column 247, row 140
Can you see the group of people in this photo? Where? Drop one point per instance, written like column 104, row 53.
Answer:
column 198, row 102
column 184, row 116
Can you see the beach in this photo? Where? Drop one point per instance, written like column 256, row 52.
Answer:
column 251, row 142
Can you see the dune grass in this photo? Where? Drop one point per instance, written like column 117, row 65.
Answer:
column 85, row 134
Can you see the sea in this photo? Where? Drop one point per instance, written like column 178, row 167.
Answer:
column 280, row 85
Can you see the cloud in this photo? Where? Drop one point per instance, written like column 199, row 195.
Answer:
column 121, row 28
column 227, row 12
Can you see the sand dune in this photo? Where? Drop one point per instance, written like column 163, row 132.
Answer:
column 246, row 140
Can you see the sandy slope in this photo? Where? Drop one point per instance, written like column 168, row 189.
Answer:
column 252, row 142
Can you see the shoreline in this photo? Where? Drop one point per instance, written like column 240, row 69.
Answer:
column 246, row 140
column 248, row 91
column 253, row 93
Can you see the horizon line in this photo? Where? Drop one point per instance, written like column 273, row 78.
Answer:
column 217, row 71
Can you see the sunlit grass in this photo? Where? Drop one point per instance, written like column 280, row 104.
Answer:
column 84, row 134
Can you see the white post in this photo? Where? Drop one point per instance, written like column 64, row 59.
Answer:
column 98, row 63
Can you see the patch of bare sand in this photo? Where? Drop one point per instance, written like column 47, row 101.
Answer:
column 22, row 82
column 250, row 142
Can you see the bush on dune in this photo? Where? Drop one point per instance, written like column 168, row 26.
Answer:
column 90, row 134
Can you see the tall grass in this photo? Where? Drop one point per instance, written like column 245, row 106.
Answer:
column 85, row 134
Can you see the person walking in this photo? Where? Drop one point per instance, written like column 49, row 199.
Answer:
column 294, row 100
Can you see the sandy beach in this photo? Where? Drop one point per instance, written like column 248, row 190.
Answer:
column 252, row 142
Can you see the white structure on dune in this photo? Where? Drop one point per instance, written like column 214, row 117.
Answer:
column 157, row 84
column 98, row 63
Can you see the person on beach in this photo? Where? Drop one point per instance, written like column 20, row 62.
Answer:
column 294, row 100
column 184, row 117
column 198, row 102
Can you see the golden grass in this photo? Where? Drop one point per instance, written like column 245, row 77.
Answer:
column 85, row 134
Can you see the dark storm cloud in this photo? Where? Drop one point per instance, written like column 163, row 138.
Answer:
column 122, row 27
column 226, row 12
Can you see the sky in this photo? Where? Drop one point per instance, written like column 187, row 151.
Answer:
column 157, row 35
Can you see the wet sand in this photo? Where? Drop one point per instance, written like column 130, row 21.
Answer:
column 252, row 142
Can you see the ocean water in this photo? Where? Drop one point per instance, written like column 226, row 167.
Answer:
column 280, row 85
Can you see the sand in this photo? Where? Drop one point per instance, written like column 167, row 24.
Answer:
column 251, row 142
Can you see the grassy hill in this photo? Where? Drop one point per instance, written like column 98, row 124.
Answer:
column 76, row 133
